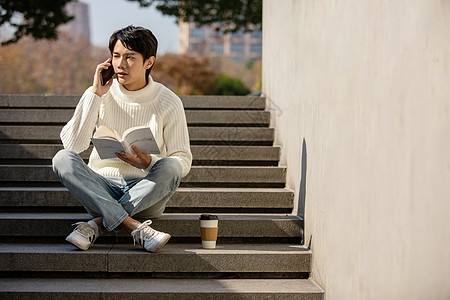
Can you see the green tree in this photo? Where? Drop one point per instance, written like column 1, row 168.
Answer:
column 227, row 85
column 233, row 15
column 39, row 18
column 249, row 71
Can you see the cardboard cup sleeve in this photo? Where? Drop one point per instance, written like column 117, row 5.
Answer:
column 209, row 228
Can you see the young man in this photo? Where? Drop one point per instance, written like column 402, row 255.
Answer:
column 132, row 186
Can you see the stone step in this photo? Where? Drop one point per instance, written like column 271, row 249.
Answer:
column 161, row 289
column 232, row 145
column 193, row 117
column 240, row 199
column 178, row 258
column 243, row 136
column 189, row 102
column 271, row 226
column 201, row 154
column 198, row 176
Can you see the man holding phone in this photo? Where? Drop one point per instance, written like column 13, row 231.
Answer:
column 117, row 192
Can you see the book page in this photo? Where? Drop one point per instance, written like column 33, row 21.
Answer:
column 143, row 138
column 107, row 148
column 106, row 132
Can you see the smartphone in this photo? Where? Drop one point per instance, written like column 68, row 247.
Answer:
column 107, row 74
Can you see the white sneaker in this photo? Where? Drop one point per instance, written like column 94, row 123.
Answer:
column 83, row 236
column 149, row 238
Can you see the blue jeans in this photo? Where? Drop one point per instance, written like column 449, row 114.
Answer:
column 115, row 198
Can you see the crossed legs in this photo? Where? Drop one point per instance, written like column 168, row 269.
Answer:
column 113, row 201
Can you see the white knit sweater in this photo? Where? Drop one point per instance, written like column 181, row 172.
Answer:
column 154, row 106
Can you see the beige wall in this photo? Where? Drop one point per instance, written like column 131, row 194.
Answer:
column 360, row 97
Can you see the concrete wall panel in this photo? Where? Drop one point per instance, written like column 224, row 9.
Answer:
column 359, row 92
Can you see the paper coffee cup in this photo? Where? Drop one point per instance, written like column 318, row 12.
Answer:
column 209, row 227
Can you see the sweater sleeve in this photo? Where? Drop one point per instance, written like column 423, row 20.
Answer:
column 76, row 134
column 176, row 136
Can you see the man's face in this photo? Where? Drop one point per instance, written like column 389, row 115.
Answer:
column 130, row 67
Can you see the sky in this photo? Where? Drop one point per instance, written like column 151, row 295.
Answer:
column 106, row 16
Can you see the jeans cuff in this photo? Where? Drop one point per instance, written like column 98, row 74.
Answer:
column 115, row 224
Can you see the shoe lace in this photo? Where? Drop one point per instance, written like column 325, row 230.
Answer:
column 143, row 231
column 84, row 229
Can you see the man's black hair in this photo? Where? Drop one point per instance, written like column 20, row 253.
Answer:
column 138, row 39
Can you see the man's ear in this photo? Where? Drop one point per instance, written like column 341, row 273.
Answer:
column 150, row 62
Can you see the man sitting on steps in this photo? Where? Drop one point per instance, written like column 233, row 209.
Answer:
column 118, row 191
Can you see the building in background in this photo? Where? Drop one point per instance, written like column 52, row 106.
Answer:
column 78, row 28
column 210, row 40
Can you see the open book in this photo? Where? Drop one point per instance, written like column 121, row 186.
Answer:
column 108, row 142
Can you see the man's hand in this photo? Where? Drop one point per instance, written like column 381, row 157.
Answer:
column 139, row 160
column 97, row 87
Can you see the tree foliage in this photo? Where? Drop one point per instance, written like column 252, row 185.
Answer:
column 38, row 19
column 185, row 75
column 67, row 67
column 249, row 71
column 232, row 15
column 227, row 85
column 49, row 67
column 189, row 75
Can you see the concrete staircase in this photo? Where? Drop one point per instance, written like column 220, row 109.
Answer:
column 235, row 174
